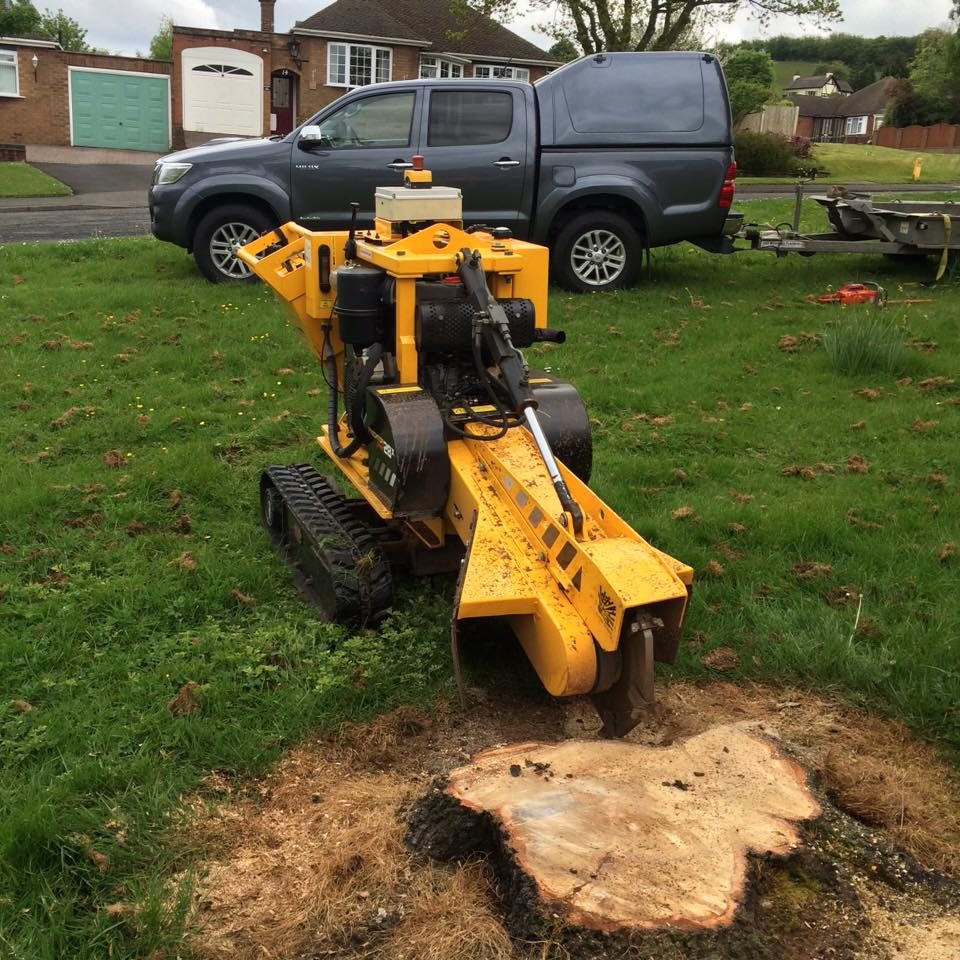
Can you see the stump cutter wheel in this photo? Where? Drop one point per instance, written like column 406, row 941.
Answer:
column 465, row 458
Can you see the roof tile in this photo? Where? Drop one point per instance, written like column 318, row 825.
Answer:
column 450, row 27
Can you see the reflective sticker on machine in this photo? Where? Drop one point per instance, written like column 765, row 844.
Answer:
column 541, row 380
column 566, row 554
column 383, row 391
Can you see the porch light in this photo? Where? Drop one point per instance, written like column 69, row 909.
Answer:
column 293, row 48
column 35, row 62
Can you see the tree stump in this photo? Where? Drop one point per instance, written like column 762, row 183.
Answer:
column 616, row 836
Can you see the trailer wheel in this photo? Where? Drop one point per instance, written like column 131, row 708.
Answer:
column 218, row 236
column 597, row 250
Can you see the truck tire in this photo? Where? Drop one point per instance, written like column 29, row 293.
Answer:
column 218, row 235
column 597, row 250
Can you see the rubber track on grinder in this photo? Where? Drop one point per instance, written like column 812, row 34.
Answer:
column 337, row 560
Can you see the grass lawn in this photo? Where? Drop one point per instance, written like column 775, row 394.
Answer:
column 859, row 163
column 140, row 404
column 785, row 70
column 22, row 180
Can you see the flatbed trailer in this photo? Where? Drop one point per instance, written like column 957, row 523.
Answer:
column 863, row 225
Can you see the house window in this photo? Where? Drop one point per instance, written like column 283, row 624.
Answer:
column 9, row 80
column 856, row 126
column 469, row 116
column 491, row 71
column 433, row 68
column 353, row 65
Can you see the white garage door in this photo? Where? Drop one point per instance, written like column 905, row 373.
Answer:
column 222, row 91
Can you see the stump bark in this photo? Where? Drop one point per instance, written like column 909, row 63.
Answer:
column 609, row 835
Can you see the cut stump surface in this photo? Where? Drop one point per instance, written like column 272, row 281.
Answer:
column 617, row 835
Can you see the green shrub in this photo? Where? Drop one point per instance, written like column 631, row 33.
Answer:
column 865, row 341
column 764, row 154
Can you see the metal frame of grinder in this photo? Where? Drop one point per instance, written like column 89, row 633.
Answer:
column 464, row 456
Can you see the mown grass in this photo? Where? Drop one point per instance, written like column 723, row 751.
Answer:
column 860, row 163
column 22, row 180
column 192, row 389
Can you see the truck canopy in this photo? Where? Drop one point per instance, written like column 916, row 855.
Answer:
column 636, row 99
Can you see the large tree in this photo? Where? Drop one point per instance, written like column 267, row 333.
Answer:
column 65, row 30
column 750, row 76
column 161, row 46
column 597, row 25
column 18, row 18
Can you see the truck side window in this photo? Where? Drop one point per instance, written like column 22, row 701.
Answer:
column 383, row 121
column 469, row 116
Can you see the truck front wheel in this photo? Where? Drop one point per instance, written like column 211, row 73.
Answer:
column 597, row 250
column 220, row 233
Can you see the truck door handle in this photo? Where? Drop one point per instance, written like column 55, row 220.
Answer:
column 400, row 165
column 505, row 162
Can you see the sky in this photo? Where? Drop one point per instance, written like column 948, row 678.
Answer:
column 126, row 26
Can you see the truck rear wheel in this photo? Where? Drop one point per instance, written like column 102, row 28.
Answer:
column 220, row 233
column 597, row 250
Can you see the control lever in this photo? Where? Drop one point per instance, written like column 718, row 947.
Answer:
column 350, row 247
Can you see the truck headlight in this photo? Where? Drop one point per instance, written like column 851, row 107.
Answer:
column 170, row 172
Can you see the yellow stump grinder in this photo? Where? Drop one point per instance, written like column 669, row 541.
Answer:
column 466, row 459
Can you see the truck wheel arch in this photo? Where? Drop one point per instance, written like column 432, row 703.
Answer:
column 207, row 204
column 612, row 226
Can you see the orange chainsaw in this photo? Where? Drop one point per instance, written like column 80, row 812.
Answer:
column 851, row 294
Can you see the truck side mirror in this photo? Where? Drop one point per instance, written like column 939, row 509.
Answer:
column 311, row 133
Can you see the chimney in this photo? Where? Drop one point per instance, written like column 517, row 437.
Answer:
column 266, row 15
column 796, row 76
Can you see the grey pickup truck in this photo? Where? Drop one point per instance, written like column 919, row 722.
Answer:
column 608, row 156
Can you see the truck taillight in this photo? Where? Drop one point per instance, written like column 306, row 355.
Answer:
column 729, row 185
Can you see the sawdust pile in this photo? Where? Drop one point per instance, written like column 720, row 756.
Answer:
column 320, row 865
column 311, row 861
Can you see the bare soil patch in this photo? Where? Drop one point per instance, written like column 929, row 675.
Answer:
column 312, row 861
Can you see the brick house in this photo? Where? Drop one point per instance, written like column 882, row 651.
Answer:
column 52, row 96
column 258, row 82
column 842, row 119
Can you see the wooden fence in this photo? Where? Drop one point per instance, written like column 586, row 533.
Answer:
column 772, row 119
column 938, row 138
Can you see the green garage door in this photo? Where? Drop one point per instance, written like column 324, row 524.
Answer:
column 127, row 111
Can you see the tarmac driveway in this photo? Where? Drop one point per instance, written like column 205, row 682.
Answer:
column 110, row 197
column 84, row 178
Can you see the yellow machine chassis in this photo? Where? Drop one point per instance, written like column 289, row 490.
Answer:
column 569, row 599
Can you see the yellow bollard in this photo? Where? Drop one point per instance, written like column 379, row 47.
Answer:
column 917, row 168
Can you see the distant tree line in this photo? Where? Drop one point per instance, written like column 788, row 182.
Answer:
column 866, row 58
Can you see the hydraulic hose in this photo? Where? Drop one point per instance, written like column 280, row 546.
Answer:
column 354, row 406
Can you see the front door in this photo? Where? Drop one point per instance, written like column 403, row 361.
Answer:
column 360, row 140
column 477, row 140
column 282, row 102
